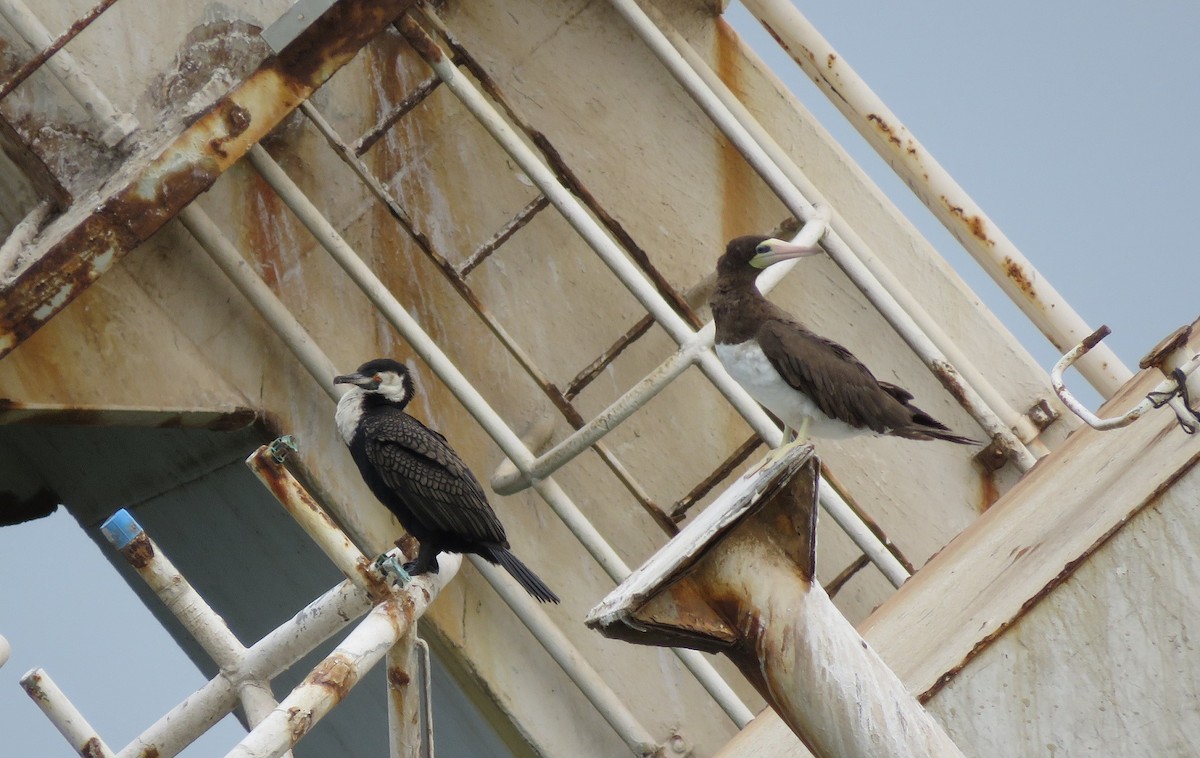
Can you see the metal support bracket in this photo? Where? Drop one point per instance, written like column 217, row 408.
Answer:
column 740, row 580
column 1171, row 356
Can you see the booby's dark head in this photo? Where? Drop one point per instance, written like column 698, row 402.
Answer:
column 746, row 256
column 384, row 377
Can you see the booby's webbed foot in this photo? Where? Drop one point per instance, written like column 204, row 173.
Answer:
column 390, row 567
column 775, row 456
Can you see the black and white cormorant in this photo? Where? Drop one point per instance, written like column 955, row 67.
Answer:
column 418, row 476
column 814, row 385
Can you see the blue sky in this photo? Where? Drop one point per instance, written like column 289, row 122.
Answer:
column 1070, row 123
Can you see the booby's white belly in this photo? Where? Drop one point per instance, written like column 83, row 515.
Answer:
column 749, row 366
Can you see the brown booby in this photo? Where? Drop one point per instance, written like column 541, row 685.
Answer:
column 814, row 385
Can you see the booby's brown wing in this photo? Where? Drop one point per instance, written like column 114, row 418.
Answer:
column 421, row 468
column 829, row 374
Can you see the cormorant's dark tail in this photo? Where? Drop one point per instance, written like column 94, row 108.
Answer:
column 527, row 579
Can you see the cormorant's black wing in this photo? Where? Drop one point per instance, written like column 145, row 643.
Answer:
column 420, row 467
column 840, row 385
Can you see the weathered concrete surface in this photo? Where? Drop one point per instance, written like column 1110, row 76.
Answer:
column 165, row 329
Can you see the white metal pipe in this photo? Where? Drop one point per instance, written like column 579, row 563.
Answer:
column 1169, row 385
column 998, row 256
column 5, row 650
column 68, row 71
column 183, row 601
column 404, row 698
column 258, row 701
column 465, row 392
column 66, row 718
column 264, row 660
column 313, row 519
column 823, row 679
column 256, row 291
column 879, row 284
column 635, row 281
column 337, row 674
column 508, row 479
column 22, row 234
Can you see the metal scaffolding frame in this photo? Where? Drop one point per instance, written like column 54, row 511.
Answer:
column 458, row 71
column 245, row 672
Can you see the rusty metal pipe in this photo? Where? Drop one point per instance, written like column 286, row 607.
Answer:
column 183, row 601
column 89, row 238
column 739, row 580
column 934, row 186
column 66, row 718
column 406, row 734
column 333, row 678
column 264, row 660
column 313, row 519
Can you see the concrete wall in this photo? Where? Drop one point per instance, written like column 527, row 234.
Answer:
column 165, row 329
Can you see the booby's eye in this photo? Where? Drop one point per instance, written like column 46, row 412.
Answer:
column 763, row 248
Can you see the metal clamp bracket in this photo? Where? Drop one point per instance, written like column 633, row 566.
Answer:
column 1171, row 357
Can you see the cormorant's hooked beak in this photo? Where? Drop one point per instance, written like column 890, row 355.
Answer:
column 358, row 380
column 776, row 250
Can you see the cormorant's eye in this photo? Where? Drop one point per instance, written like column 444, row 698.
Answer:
column 378, row 378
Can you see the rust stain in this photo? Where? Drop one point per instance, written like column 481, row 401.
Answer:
column 1016, row 273
column 33, row 687
column 830, row 60
column 398, row 678
column 262, row 226
column 139, row 551
column 738, row 180
column 989, row 490
column 975, row 225
column 1174, row 341
column 236, row 120
column 336, row 674
column 92, row 749
column 884, row 128
column 299, row 722
column 150, row 752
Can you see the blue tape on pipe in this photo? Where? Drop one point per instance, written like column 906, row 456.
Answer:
column 121, row 529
